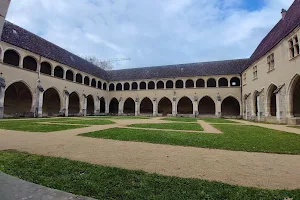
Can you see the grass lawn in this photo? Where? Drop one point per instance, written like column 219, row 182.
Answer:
column 84, row 121
column 217, row 120
column 34, row 126
column 209, row 120
column 174, row 126
column 245, row 138
column 120, row 117
column 114, row 183
column 180, row 119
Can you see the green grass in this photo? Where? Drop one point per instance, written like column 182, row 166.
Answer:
column 294, row 127
column 180, row 119
column 234, row 137
column 217, row 120
column 120, row 117
column 114, row 183
column 209, row 120
column 174, row 126
column 34, row 126
column 84, row 121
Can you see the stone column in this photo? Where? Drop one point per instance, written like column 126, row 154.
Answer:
column 106, row 107
column 137, row 106
column 97, row 106
column 155, row 111
column 174, row 106
column 2, row 95
column 258, row 108
column 84, row 105
column 121, row 106
column 38, row 112
column 278, row 107
column 218, row 107
column 195, row 106
column 66, row 102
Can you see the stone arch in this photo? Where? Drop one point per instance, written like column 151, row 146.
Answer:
column 207, row 106
column 114, row 106
column 160, row 85
column 165, row 106
column 51, row 102
column 230, row 107
column 271, row 100
column 99, row 85
column 146, row 106
column 169, row 84
column 179, row 84
column 78, row 78
column 119, row 87
column 12, row 57
column 90, row 105
column 235, row 82
column 255, row 103
column 134, row 86
column 86, row 80
column 143, row 85
column 102, row 105
column 126, row 86
column 223, row 82
column 200, row 83
column 211, row 82
column 112, row 87
column 189, row 84
column 294, row 96
column 46, row 68
column 93, row 83
column 59, row 72
column 129, row 106
column 18, row 99
column 30, row 63
column 185, row 106
column 74, row 104
column 151, row 85
column 70, row 75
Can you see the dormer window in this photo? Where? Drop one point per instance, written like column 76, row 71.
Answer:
column 271, row 62
column 294, row 47
column 254, row 72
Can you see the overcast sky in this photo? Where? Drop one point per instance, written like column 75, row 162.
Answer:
column 151, row 32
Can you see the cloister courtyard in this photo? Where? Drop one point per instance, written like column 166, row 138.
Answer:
column 127, row 157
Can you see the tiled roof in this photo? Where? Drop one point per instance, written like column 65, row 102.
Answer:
column 22, row 38
column 182, row 70
column 284, row 27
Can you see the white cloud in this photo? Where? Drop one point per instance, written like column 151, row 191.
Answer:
column 150, row 32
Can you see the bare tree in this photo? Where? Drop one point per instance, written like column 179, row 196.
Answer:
column 106, row 65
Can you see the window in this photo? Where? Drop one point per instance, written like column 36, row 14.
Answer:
column 294, row 47
column 244, row 79
column 254, row 72
column 271, row 63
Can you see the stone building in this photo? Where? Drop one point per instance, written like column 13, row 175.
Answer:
column 42, row 79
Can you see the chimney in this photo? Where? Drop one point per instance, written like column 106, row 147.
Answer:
column 283, row 13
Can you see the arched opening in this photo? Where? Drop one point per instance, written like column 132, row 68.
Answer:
column 169, row 84
column 69, row 75
column 189, row 84
column 223, row 82
column 17, row 100
column 86, row 80
column 30, row 63
column 90, row 105
column 165, row 106
column 74, row 104
column 99, row 84
column 102, row 105
column 160, row 85
column 58, row 72
column 129, row 106
column 179, row 84
column 200, row 83
column 126, row 86
column 104, row 86
column 93, row 83
column 78, row 78
column 272, row 107
column 146, row 106
column 51, row 102
column 230, row 107
column 151, row 85
column 11, row 57
column 295, row 97
column 235, row 82
column 185, row 106
column 46, row 68
column 111, row 87
column 255, row 105
column 119, row 87
column 207, row 106
column 143, row 86
column 134, row 86
column 211, row 83
column 114, row 106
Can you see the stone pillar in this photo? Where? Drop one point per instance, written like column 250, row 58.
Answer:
column 84, row 105
column 2, row 95
column 155, row 111
column 174, row 106
column 137, row 106
column 66, row 102
column 4, row 4
column 97, row 106
column 258, row 108
column 40, row 104
column 218, row 106
column 121, row 106
column 106, row 107
column 195, row 106
column 281, row 103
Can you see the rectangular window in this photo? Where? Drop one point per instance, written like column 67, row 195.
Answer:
column 294, row 47
column 255, row 72
column 271, row 62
